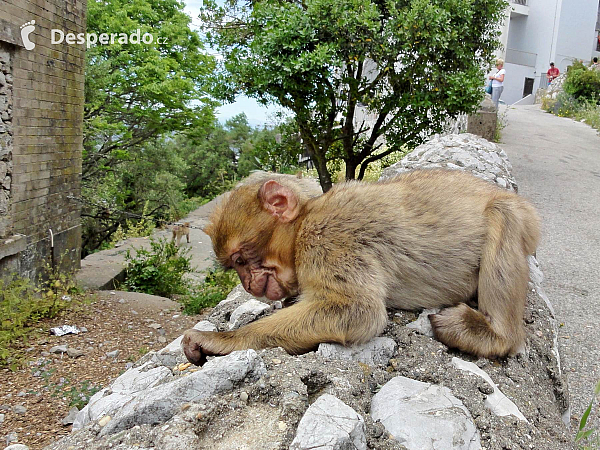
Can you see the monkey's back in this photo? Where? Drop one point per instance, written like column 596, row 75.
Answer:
column 417, row 237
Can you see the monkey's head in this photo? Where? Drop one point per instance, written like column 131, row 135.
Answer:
column 253, row 231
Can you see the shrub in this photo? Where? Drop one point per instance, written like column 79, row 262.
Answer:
column 158, row 271
column 216, row 286
column 583, row 83
column 22, row 305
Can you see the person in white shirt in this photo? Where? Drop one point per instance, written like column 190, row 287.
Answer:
column 498, row 82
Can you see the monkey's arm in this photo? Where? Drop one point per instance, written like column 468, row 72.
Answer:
column 298, row 328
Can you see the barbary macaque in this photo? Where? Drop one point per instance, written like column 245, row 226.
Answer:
column 179, row 231
column 425, row 239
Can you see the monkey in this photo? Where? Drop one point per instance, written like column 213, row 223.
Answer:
column 179, row 231
column 426, row 239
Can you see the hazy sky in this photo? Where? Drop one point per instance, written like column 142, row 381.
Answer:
column 258, row 115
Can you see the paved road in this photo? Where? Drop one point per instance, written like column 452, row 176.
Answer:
column 556, row 162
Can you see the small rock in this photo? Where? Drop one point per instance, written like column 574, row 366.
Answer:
column 162, row 339
column 70, row 417
column 330, row 424
column 246, row 313
column 156, row 326
column 134, row 312
column 75, row 353
column 45, row 354
column 1, row 418
column 83, row 329
column 22, row 394
column 282, row 425
column 59, row 349
column 413, row 411
column 121, row 300
column 19, row 409
column 377, row 351
column 113, row 354
column 11, row 437
column 17, row 447
column 102, row 422
column 422, row 325
column 244, row 396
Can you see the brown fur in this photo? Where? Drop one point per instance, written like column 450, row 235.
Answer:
column 179, row 231
column 425, row 239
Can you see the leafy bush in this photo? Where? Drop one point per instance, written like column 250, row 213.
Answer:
column 158, row 271
column 583, row 83
column 565, row 105
column 216, row 286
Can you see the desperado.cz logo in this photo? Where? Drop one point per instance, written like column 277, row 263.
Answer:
column 59, row 36
column 89, row 39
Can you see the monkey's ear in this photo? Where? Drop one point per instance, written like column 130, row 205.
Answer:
column 279, row 200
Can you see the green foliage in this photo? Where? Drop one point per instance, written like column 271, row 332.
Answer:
column 136, row 97
column 501, row 123
column 271, row 149
column 565, row 105
column 79, row 394
column 216, row 286
column 135, row 92
column 158, row 271
column 582, row 82
column 584, row 434
column 22, row 305
column 411, row 64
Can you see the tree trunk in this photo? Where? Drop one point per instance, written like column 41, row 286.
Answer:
column 350, row 169
column 324, row 176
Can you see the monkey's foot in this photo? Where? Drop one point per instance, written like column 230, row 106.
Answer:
column 468, row 330
column 196, row 346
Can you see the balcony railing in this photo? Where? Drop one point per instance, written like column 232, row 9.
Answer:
column 521, row 58
column 519, row 2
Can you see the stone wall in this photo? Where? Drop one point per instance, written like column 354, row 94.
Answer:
column 41, row 135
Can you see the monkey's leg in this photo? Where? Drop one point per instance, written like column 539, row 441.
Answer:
column 496, row 328
column 298, row 328
column 187, row 235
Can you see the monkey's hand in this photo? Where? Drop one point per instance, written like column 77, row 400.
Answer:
column 197, row 345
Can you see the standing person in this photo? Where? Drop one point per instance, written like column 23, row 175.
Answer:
column 498, row 82
column 553, row 73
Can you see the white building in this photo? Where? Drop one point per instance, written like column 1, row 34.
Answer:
column 537, row 32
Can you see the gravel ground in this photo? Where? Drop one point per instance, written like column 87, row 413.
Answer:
column 47, row 386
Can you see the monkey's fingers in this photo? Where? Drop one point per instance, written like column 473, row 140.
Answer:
column 194, row 346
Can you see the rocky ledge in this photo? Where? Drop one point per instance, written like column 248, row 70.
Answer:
column 403, row 389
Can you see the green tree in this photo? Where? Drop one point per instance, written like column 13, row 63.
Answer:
column 412, row 64
column 275, row 149
column 136, row 92
column 138, row 95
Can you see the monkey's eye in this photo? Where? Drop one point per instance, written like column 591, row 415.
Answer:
column 239, row 261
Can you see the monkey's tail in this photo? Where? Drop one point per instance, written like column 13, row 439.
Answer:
column 513, row 233
column 496, row 328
